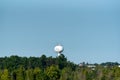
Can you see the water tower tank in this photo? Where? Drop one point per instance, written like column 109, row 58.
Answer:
column 58, row 49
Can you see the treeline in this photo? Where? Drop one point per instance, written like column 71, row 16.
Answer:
column 14, row 62
column 59, row 68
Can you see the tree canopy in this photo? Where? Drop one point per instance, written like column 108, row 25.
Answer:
column 59, row 68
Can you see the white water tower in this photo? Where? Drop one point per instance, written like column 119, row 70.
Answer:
column 58, row 49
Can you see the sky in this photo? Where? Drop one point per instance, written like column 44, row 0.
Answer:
column 89, row 30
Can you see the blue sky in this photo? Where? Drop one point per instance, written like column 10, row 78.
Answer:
column 89, row 30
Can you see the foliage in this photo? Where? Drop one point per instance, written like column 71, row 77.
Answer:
column 59, row 68
column 53, row 72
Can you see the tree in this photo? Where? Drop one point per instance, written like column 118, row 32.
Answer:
column 61, row 61
column 29, row 74
column 66, row 74
column 38, row 74
column 43, row 61
column 20, row 73
column 53, row 72
column 5, row 75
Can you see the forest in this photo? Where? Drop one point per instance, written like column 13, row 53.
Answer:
column 58, row 68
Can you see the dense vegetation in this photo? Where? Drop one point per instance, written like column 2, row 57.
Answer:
column 59, row 68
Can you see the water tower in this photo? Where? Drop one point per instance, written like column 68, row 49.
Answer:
column 58, row 49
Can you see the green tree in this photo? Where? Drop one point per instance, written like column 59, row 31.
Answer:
column 39, row 74
column 5, row 75
column 61, row 61
column 20, row 73
column 66, row 74
column 53, row 72
column 29, row 74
